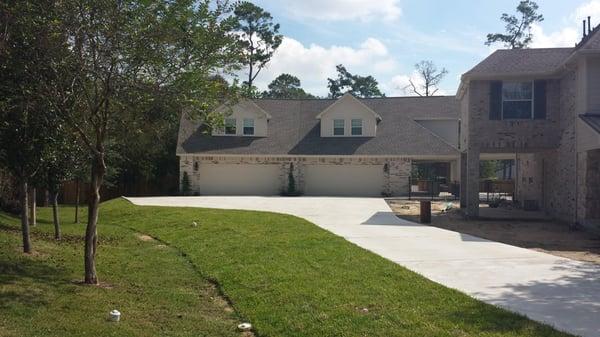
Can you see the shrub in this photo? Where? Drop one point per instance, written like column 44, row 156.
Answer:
column 291, row 180
column 186, row 186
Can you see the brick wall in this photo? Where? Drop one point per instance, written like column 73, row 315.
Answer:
column 511, row 135
column 396, row 174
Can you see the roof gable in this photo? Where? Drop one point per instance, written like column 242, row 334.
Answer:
column 349, row 98
column 520, row 62
column 246, row 105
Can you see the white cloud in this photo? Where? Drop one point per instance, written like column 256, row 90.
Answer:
column 341, row 10
column 313, row 64
column 569, row 35
column 591, row 8
column 400, row 85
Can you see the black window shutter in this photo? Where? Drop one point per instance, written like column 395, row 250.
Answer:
column 495, row 100
column 539, row 104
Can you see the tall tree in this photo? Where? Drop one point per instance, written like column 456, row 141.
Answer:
column 128, row 60
column 518, row 27
column 25, row 50
column 359, row 86
column 429, row 79
column 286, row 86
column 259, row 37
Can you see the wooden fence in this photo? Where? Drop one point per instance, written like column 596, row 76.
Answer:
column 168, row 185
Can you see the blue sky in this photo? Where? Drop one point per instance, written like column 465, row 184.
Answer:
column 385, row 38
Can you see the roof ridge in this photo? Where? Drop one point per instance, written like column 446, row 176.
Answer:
column 530, row 49
column 358, row 98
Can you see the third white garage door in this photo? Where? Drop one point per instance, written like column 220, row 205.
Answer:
column 344, row 180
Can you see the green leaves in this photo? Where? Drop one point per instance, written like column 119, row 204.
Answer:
column 518, row 27
column 358, row 86
column 258, row 36
column 286, row 86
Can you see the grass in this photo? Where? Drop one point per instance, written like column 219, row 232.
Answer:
column 285, row 275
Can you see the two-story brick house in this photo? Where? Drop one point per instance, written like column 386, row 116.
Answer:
column 542, row 107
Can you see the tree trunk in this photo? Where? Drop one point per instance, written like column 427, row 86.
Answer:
column 91, row 233
column 77, row 192
column 46, row 198
column 33, row 210
column 24, row 219
column 57, row 235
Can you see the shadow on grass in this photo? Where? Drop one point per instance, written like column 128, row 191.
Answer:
column 27, row 271
column 494, row 321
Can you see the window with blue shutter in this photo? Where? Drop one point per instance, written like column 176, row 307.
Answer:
column 539, row 105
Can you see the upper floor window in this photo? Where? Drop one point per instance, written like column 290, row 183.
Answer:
column 357, row 127
column 248, row 126
column 517, row 100
column 230, row 127
column 338, row 127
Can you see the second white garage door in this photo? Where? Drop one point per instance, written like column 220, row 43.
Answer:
column 344, row 180
column 239, row 179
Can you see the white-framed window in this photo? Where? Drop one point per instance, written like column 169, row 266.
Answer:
column 338, row 127
column 356, row 127
column 248, row 126
column 230, row 126
column 517, row 100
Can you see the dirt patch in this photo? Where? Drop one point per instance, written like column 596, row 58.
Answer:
column 222, row 303
column 145, row 237
column 545, row 236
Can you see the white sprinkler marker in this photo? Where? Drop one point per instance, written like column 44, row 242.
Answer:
column 115, row 315
column 245, row 327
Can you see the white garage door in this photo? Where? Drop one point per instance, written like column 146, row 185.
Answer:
column 344, row 180
column 239, row 179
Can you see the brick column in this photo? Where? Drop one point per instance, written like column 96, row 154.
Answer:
column 472, row 182
column 463, row 180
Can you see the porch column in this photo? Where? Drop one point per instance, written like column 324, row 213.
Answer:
column 463, row 180
column 454, row 171
column 472, row 182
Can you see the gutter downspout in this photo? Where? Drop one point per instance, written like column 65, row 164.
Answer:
column 576, row 189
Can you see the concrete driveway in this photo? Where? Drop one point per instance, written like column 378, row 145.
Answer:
column 558, row 291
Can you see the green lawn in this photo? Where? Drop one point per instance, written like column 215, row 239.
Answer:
column 285, row 275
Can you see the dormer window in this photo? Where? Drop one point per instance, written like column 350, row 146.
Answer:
column 230, row 127
column 357, row 127
column 248, row 126
column 338, row 127
column 348, row 117
column 517, row 100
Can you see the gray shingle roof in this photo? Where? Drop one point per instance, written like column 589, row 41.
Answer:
column 295, row 130
column 593, row 120
column 521, row 61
